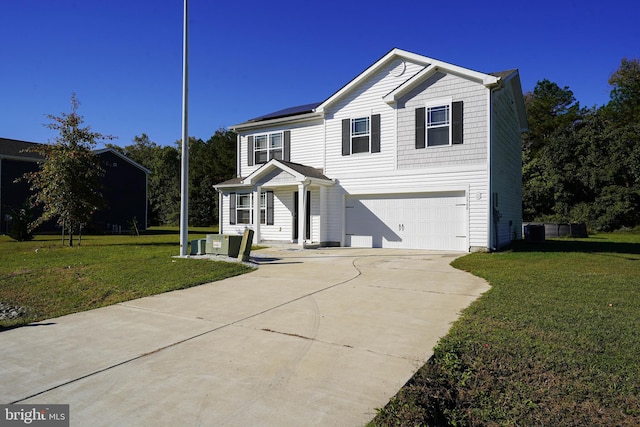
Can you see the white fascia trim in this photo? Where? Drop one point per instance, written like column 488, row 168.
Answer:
column 222, row 188
column 422, row 190
column 371, row 70
column 275, row 164
column 279, row 121
column 486, row 79
column 268, row 167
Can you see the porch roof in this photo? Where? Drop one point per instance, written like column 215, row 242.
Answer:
column 299, row 174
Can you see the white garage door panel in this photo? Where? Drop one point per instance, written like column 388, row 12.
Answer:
column 418, row 221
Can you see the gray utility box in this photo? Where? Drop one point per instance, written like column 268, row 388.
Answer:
column 198, row 247
column 222, row 244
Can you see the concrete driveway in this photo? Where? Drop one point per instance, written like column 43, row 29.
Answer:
column 312, row 337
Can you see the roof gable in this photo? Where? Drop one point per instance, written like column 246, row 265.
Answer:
column 298, row 173
column 430, row 66
column 123, row 157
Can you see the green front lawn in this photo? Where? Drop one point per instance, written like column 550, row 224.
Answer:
column 52, row 280
column 554, row 342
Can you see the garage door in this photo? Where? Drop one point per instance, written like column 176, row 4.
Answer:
column 410, row 221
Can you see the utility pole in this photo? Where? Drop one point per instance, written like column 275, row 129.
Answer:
column 184, row 176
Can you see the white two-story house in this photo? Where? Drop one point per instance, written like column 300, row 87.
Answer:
column 412, row 153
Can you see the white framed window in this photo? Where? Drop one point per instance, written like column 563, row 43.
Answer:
column 244, row 208
column 360, row 135
column 438, row 125
column 267, row 146
column 244, row 213
column 263, row 208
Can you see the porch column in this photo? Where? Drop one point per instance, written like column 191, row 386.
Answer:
column 220, row 207
column 302, row 213
column 323, row 214
column 256, row 214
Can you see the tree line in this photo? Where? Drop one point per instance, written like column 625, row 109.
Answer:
column 583, row 164
column 210, row 162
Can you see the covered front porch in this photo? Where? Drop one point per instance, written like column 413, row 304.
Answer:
column 281, row 202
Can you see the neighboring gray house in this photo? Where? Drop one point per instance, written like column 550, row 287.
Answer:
column 412, row 153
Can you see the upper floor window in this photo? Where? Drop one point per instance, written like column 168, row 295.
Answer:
column 264, row 147
column 438, row 128
column 361, row 135
column 267, row 147
column 439, row 124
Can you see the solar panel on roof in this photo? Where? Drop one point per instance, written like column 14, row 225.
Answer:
column 291, row 111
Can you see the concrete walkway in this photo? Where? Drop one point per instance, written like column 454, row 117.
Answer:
column 312, row 337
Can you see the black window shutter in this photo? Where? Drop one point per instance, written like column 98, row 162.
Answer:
column 456, row 122
column 269, row 207
column 346, row 137
column 286, row 149
column 250, row 150
column 232, row 208
column 375, row 133
column 307, row 231
column 420, row 125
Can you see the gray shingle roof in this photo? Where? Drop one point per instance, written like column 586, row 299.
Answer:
column 504, row 74
column 307, row 171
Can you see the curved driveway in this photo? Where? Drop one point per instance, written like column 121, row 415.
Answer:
column 312, row 337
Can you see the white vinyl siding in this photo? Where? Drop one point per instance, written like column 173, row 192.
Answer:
column 366, row 100
column 507, row 166
column 474, row 129
column 307, row 145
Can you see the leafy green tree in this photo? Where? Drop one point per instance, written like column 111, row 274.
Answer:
column 583, row 165
column 67, row 184
column 210, row 163
column 553, row 113
column 625, row 92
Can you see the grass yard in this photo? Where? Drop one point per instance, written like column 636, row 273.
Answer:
column 554, row 342
column 50, row 280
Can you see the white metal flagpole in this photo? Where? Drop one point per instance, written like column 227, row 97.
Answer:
column 184, row 176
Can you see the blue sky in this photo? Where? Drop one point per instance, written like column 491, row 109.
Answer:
column 247, row 58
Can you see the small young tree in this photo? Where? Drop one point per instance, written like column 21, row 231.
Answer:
column 67, row 185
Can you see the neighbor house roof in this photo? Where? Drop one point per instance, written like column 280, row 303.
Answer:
column 24, row 151
column 19, row 150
